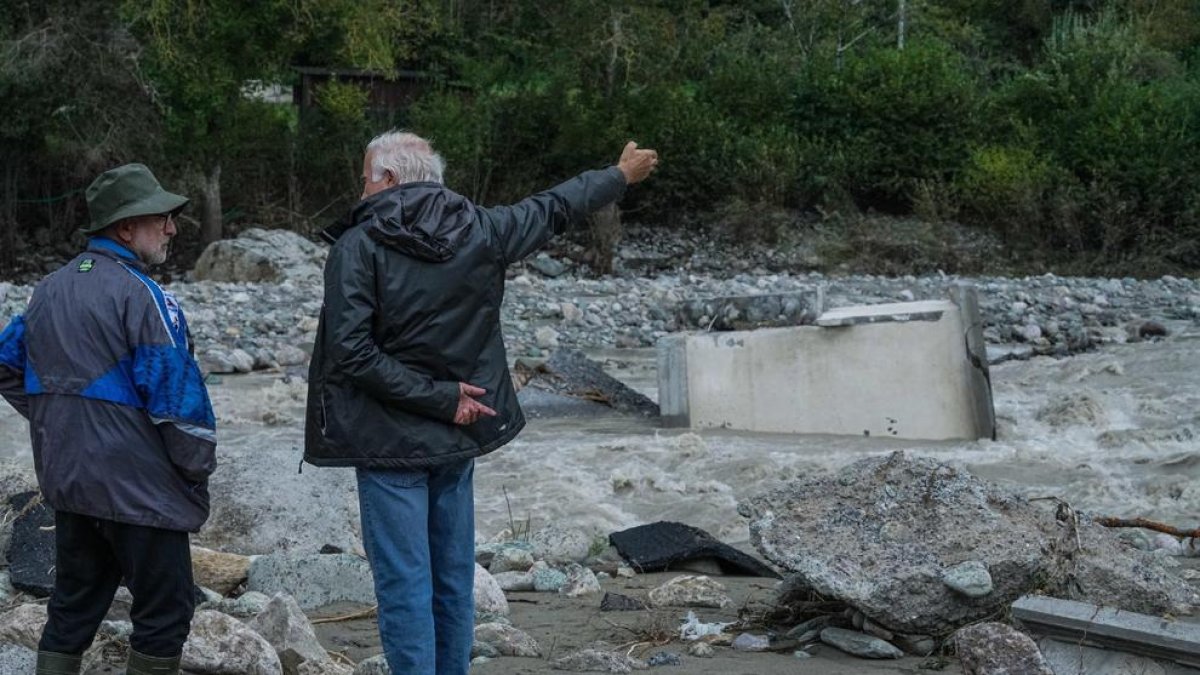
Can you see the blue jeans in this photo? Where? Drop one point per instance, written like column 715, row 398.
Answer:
column 419, row 533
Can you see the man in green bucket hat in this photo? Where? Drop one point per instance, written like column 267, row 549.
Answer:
column 123, row 431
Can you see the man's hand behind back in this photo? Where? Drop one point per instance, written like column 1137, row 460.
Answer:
column 470, row 410
column 636, row 163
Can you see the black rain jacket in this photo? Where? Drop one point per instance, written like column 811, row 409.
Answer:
column 413, row 288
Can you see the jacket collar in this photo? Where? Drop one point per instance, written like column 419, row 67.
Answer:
column 114, row 250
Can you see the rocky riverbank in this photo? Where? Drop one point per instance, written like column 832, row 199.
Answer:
column 258, row 304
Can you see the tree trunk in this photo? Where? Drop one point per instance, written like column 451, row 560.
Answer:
column 901, row 23
column 211, row 225
column 606, row 231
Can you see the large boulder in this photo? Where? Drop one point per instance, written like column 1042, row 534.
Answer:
column 222, row 645
column 259, row 255
column 289, row 631
column 907, row 540
column 314, row 580
column 262, row 504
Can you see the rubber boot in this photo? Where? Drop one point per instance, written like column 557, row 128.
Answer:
column 51, row 663
column 140, row 664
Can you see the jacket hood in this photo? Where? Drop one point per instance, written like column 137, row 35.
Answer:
column 424, row 220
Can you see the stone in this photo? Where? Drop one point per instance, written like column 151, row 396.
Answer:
column 245, row 605
column 860, row 645
column 288, row 355
column 241, row 361
column 222, row 572
column 571, row 312
column 598, row 661
column 917, row 645
column 873, row 535
column 546, row 337
column 324, row 668
column 508, row 640
column 17, row 659
column 489, row 597
column 748, row 642
column 998, row 649
column 510, row 558
column 690, row 591
column 315, row 580
column 701, row 650
column 615, row 602
column 514, row 582
column 546, row 579
column 664, row 659
column 376, row 665
column 580, row 581
column 31, row 545
column 289, row 631
column 23, row 625
column 548, row 266
column 971, row 578
column 220, row 644
column 808, row 631
column 262, row 505
column 258, row 255
column 484, row 649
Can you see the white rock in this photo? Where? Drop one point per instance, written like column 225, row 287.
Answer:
column 508, row 640
column 220, row 645
column 289, row 631
column 546, row 337
column 23, row 625
column 580, row 581
column 489, row 597
column 690, row 591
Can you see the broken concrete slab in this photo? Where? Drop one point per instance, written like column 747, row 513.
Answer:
column 881, row 534
column 870, row 371
column 1081, row 622
column 31, row 547
column 570, row 374
column 660, row 546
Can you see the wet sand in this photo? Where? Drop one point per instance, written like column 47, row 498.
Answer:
column 562, row 625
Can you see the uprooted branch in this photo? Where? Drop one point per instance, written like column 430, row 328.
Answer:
column 1148, row 524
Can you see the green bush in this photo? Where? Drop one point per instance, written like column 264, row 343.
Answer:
column 886, row 120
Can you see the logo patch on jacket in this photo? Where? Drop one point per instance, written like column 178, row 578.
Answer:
column 172, row 309
column 86, row 265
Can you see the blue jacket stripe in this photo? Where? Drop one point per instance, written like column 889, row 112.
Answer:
column 171, row 386
column 159, row 301
column 12, row 344
column 115, row 386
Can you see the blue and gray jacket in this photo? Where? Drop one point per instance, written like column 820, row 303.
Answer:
column 101, row 365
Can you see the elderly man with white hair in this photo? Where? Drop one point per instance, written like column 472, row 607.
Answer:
column 409, row 380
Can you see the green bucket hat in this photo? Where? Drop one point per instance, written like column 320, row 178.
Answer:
column 125, row 192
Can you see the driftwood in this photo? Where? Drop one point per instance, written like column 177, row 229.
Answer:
column 1148, row 524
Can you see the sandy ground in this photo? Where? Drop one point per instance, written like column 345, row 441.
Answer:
column 562, row 625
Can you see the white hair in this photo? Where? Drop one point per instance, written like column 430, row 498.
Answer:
column 409, row 157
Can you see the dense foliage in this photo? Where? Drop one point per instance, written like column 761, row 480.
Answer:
column 1069, row 127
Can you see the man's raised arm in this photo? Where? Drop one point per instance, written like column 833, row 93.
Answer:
column 526, row 226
